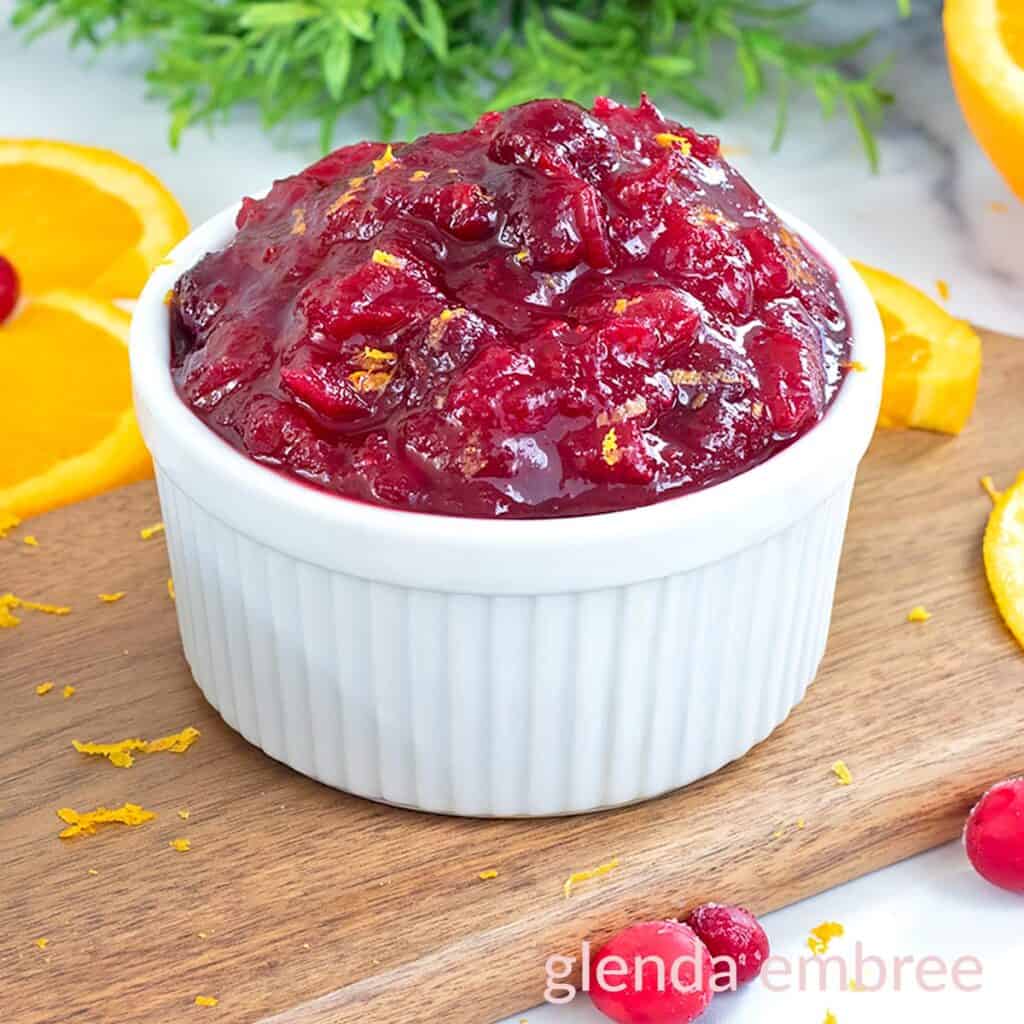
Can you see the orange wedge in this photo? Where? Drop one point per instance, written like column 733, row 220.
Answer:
column 77, row 217
column 932, row 360
column 985, row 44
column 68, row 428
column 1004, row 556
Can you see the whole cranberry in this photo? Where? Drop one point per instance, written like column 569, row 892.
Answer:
column 656, row 972
column 733, row 933
column 994, row 836
column 9, row 288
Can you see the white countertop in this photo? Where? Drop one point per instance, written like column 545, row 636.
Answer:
column 930, row 906
column 929, row 215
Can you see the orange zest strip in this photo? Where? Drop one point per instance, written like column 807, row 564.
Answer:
column 486, row 876
column 43, row 689
column 46, row 609
column 121, row 753
column 9, row 601
column 584, row 876
column 842, row 773
column 111, row 598
column 85, row 824
column 387, row 259
column 386, row 159
column 177, row 743
column 669, row 141
column 151, row 531
column 990, row 489
column 821, row 937
column 610, row 448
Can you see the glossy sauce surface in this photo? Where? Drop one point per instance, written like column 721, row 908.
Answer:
column 557, row 312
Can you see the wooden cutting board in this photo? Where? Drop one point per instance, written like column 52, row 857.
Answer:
column 299, row 904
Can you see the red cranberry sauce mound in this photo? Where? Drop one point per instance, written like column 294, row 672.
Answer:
column 557, row 312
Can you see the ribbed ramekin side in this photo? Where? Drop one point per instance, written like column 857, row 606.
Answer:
column 478, row 704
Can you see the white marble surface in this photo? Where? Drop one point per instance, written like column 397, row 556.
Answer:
column 926, row 216
column 932, row 905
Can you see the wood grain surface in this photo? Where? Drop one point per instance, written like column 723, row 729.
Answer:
column 299, row 904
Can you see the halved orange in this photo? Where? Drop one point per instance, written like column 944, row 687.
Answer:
column 1004, row 556
column 68, row 428
column 985, row 44
column 932, row 359
column 77, row 217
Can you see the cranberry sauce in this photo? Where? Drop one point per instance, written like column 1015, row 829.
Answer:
column 557, row 312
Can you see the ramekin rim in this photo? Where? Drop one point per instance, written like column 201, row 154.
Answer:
column 841, row 436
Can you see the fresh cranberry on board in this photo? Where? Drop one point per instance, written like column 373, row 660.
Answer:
column 9, row 288
column 994, row 835
column 656, row 972
column 556, row 312
column 733, row 933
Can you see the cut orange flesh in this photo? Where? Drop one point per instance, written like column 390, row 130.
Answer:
column 68, row 425
column 933, row 360
column 1004, row 556
column 77, row 217
column 985, row 44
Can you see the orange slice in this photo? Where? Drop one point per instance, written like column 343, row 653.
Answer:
column 1004, row 556
column 932, row 360
column 69, row 431
column 985, row 43
column 76, row 217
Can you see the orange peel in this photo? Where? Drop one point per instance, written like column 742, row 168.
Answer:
column 80, row 217
column 70, row 431
column 1004, row 556
column 933, row 360
column 985, row 44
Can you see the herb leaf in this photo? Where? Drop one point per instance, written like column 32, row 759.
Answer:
column 433, row 64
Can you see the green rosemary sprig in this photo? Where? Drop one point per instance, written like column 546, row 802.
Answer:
column 428, row 63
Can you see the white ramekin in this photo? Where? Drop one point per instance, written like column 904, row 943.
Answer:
column 481, row 667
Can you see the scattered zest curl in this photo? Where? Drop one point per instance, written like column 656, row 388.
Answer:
column 8, row 602
column 85, row 824
column 584, row 876
column 821, row 937
column 121, row 753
